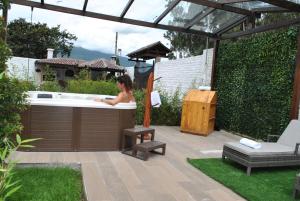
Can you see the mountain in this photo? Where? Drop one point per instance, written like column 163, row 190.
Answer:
column 85, row 54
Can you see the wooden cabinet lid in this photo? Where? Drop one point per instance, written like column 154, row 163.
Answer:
column 196, row 95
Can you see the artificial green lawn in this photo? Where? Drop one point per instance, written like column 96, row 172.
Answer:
column 268, row 184
column 48, row 184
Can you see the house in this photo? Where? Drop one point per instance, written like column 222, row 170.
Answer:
column 66, row 68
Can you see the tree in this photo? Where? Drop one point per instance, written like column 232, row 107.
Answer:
column 183, row 43
column 4, row 6
column 32, row 40
column 274, row 17
column 191, row 44
column 186, row 44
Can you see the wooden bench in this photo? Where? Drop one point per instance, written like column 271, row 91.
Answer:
column 148, row 147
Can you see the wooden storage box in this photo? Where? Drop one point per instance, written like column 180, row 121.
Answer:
column 198, row 112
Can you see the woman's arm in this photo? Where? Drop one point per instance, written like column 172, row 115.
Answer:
column 115, row 101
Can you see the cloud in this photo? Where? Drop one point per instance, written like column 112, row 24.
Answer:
column 94, row 34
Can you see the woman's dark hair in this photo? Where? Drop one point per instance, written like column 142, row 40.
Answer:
column 126, row 80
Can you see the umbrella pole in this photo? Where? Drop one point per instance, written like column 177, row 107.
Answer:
column 147, row 113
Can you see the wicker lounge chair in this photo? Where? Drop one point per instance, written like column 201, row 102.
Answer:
column 282, row 153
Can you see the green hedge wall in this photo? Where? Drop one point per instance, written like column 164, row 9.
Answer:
column 167, row 114
column 254, row 81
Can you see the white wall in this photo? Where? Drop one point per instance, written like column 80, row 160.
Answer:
column 18, row 67
column 184, row 73
column 130, row 72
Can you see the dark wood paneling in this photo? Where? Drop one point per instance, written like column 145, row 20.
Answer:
column 127, row 120
column 76, row 129
column 25, row 120
column 99, row 129
column 52, row 140
column 54, row 126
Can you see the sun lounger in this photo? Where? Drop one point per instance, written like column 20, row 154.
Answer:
column 282, row 153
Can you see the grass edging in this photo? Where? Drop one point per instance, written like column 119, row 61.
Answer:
column 270, row 184
column 60, row 167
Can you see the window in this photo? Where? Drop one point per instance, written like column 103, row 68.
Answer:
column 69, row 73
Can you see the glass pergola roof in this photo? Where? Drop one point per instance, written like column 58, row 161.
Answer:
column 146, row 10
column 206, row 17
column 111, row 7
column 252, row 5
column 183, row 13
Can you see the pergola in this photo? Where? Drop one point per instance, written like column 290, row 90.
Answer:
column 151, row 51
column 210, row 18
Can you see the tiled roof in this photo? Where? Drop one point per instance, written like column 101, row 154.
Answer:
column 150, row 51
column 61, row 61
column 101, row 63
column 96, row 64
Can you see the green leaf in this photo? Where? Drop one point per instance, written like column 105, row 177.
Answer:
column 4, row 153
column 30, row 140
column 18, row 138
column 9, row 185
column 26, row 145
column 13, row 190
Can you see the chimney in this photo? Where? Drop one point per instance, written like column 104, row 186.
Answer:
column 114, row 60
column 50, row 53
column 157, row 59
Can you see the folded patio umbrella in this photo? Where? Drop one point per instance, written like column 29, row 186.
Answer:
column 148, row 101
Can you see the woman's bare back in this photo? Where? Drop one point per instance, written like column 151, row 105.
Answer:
column 127, row 97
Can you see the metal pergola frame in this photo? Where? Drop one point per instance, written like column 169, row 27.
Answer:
column 282, row 6
column 219, row 34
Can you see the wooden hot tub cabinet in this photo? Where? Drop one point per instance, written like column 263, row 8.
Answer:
column 76, row 128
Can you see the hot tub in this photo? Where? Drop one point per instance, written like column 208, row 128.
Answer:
column 75, row 122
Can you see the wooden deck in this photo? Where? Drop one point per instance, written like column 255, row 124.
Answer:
column 112, row 176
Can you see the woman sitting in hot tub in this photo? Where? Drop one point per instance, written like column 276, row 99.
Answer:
column 124, row 83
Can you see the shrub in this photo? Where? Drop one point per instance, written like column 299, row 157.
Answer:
column 169, row 113
column 139, row 96
column 83, row 75
column 28, row 85
column 92, row 87
column 5, row 52
column 13, row 102
column 49, row 74
column 254, row 84
column 51, row 86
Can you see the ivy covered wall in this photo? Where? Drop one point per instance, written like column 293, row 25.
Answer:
column 254, row 83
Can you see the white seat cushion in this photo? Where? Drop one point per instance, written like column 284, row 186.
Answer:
column 266, row 149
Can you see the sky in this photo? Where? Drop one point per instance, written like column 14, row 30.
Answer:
column 95, row 34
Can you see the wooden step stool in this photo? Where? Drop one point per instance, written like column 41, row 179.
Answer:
column 147, row 147
column 130, row 136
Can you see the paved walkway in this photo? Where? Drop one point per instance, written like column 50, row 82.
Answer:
column 112, row 176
